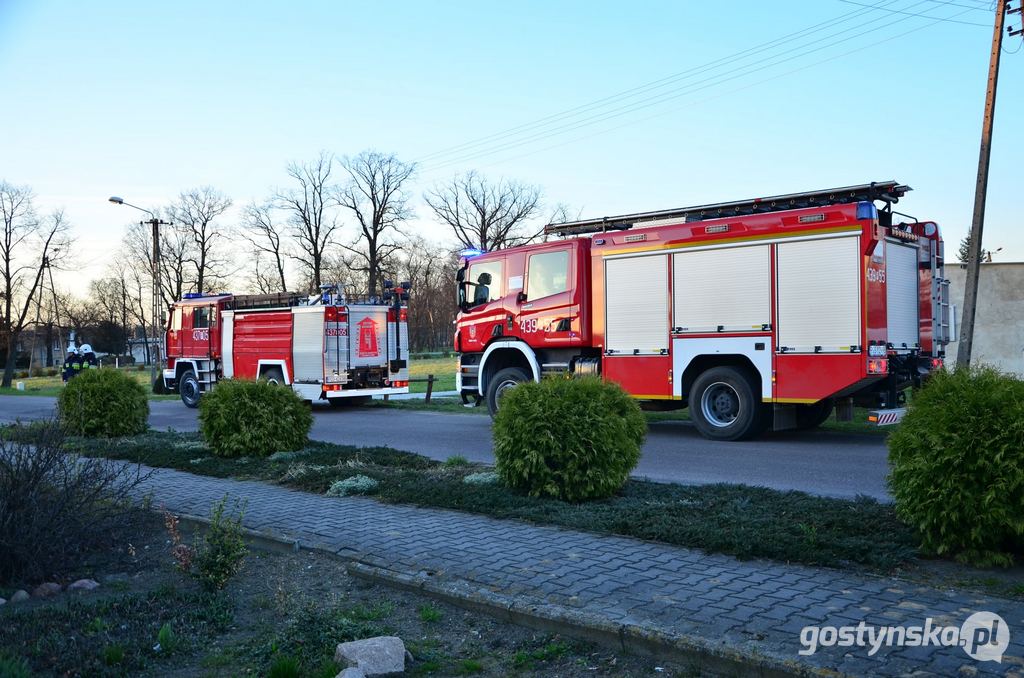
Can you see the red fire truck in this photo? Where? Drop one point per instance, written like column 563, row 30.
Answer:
column 757, row 314
column 326, row 346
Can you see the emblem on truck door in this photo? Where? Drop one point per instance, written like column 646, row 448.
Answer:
column 367, row 347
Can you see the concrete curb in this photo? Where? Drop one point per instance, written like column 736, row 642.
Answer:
column 694, row 651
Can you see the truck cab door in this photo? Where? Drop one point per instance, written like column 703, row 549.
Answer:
column 485, row 315
column 549, row 315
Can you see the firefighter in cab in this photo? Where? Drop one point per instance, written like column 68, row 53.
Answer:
column 71, row 364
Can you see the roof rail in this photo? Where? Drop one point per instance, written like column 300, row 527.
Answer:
column 887, row 191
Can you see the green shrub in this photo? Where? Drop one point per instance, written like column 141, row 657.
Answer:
column 253, row 418
column 103, row 403
column 958, row 466
column 357, row 484
column 13, row 667
column 572, row 439
column 218, row 556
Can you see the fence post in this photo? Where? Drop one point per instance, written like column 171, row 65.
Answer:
column 430, row 388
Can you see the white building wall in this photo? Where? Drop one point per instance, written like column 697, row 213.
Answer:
column 999, row 319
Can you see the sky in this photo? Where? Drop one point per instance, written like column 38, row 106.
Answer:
column 610, row 107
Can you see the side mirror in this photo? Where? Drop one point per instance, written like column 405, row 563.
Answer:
column 521, row 297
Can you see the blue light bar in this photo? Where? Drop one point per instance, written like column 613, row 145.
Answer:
column 471, row 252
column 867, row 210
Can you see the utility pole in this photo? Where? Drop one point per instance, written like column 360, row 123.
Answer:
column 156, row 224
column 963, row 353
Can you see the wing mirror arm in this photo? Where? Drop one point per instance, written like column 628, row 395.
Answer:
column 521, row 297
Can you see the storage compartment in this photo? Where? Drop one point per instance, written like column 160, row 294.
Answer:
column 722, row 290
column 818, row 291
column 901, row 295
column 636, row 305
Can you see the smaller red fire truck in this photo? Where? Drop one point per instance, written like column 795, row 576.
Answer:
column 327, row 346
column 755, row 314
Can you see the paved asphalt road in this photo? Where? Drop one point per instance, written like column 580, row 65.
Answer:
column 826, row 463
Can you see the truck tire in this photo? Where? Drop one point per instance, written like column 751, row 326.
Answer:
column 501, row 382
column 273, row 376
column 725, row 405
column 813, row 416
column 188, row 389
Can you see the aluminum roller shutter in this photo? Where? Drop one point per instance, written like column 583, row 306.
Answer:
column 308, row 346
column 722, row 288
column 636, row 305
column 818, row 289
column 901, row 295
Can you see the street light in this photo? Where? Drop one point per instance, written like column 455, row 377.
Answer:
column 156, row 223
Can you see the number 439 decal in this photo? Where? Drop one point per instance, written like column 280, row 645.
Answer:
column 527, row 326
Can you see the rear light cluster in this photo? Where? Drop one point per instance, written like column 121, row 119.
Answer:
column 399, row 384
column 937, row 363
column 332, row 387
column 878, row 366
column 403, row 315
column 333, row 314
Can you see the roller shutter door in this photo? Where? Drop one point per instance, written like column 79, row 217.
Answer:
column 818, row 290
column 636, row 305
column 901, row 295
column 727, row 290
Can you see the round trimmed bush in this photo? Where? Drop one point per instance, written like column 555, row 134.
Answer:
column 253, row 418
column 958, row 466
column 103, row 403
column 571, row 439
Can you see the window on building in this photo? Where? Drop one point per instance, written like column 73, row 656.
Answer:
column 548, row 274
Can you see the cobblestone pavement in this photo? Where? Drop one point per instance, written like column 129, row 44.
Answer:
column 757, row 607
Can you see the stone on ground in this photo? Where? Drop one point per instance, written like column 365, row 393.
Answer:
column 351, row 672
column 3, row 601
column 83, row 585
column 19, row 596
column 47, row 590
column 380, row 656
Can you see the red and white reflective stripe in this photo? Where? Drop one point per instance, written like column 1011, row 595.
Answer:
column 887, row 417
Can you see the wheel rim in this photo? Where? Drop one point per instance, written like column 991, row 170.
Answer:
column 189, row 390
column 720, row 404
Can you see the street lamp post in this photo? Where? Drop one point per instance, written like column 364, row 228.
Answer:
column 156, row 223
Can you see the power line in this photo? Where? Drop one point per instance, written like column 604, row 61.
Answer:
column 656, row 84
column 711, row 81
column 923, row 16
column 718, row 96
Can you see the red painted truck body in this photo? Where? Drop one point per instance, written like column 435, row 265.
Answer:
column 794, row 304
column 324, row 347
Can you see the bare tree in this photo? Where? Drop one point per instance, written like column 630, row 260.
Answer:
column 265, row 235
column 376, row 196
column 485, row 214
column 311, row 211
column 28, row 245
column 193, row 215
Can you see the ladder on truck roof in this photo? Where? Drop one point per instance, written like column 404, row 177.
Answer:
column 887, row 191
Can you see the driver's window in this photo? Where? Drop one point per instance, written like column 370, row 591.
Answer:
column 485, row 283
column 176, row 319
column 200, row 317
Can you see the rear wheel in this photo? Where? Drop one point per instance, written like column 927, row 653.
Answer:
column 725, row 404
column 505, row 379
column 273, row 376
column 812, row 416
column 188, row 389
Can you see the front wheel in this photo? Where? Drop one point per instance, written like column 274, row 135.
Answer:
column 725, row 405
column 505, row 379
column 188, row 388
